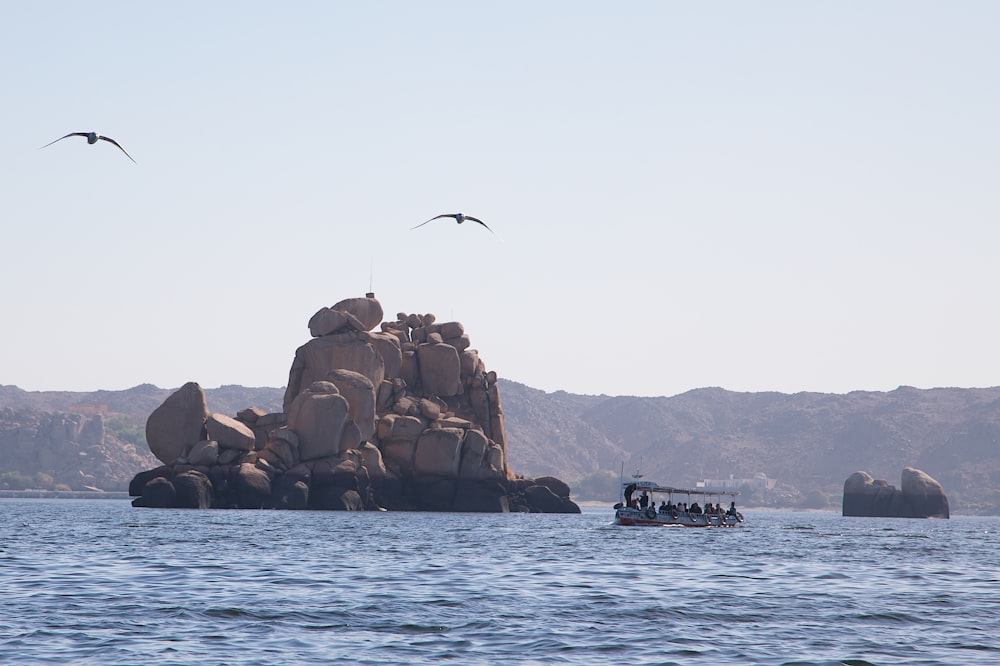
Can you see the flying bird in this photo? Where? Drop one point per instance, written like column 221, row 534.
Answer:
column 92, row 138
column 459, row 217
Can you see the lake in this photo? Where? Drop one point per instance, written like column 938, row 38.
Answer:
column 101, row 582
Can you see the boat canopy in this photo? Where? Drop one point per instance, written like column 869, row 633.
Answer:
column 650, row 487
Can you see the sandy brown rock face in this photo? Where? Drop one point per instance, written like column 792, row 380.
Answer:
column 359, row 392
column 320, row 356
column 230, row 433
column 407, row 417
column 366, row 310
column 327, row 322
column 178, row 423
column 440, row 369
column 317, row 416
column 437, row 453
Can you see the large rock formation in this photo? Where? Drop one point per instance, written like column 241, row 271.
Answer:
column 406, row 417
column 920, row 497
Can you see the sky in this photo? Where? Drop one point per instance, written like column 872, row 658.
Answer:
column 769, row 196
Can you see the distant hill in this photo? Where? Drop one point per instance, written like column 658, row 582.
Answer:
column 808, row 442
column 64, row 440
column 138, row 401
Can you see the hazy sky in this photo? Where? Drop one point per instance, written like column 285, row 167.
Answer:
column 789, row 196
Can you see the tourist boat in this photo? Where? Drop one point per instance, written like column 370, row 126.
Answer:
column 670, row 513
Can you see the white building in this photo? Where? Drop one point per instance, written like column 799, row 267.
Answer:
column 758, row 482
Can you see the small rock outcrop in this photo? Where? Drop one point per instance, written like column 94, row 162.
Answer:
column 920, row 497
column 403, row 418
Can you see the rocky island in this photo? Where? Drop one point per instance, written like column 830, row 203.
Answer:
column 403, row 418
column 920, row 497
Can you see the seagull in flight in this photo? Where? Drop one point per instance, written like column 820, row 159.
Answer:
column 459, row 217
column 92, row 138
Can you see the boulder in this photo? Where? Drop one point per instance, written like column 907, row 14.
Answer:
column 924, row 496
column 440, row 369
column 158, row 493
column 437, row 453
column 366, row 310
column 317, row 416
column 204, row 453
column 394, row 427
column 372, row 460
column 289, row 493
column 252, row 487
column 230, row 433
column 478, row 456
column 376, row 414
column 430, row 409
column 359, row 392
column 542, row 500
column 315, row 359
column 451, row 329
column 399, row 454
column 327, row 322
column 178, row 423
column 920, row 497
column 193, row 491
column 139, row 481
column 250, row 415
column 335, row 473
column 388, row 347
column 558, row 488
column 280, row 452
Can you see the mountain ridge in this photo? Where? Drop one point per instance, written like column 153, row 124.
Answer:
column 807, row 442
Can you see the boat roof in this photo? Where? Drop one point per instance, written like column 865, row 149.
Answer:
column 651, row 487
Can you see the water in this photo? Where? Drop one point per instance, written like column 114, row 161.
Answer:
column 100, row 582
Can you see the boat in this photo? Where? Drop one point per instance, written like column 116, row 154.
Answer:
column 639, row 513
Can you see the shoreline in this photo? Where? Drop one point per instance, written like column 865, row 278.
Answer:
column 64, row 494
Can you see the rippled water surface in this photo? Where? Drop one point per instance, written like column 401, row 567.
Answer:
column 101, row 582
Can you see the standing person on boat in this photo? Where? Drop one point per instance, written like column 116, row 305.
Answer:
column 644, row 500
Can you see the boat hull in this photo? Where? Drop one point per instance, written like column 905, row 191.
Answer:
column 647, row 518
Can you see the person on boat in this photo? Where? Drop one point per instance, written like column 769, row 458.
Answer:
column 695, row 510
column 644, row 501
column 732, row 509
column 663, row 507
column 629, row 489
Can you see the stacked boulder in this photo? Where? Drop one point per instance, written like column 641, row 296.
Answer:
column 920, row 497
column 403, row 418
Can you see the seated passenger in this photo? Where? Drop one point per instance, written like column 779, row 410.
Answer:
column 732, row 509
